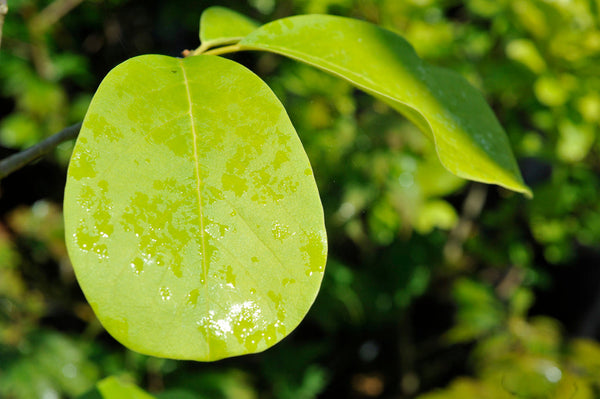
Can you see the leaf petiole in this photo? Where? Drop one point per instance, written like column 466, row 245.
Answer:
column 224, row 50
column 206, row 49
column 203, row 47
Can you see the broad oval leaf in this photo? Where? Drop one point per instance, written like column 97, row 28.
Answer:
column 220, row 25
column 469, row 140
column 192, row 217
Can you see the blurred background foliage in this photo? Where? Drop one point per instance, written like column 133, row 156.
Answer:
column 436, row 288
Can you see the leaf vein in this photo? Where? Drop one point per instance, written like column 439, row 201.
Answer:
column 199, row 190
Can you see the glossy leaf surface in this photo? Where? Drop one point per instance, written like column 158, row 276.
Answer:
column 192, row 216
column 220, row 25
column 469, row 140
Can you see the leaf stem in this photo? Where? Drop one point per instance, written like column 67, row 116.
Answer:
column 203, row 47
column 212, row 46
column 224, row 50
column 16, row 161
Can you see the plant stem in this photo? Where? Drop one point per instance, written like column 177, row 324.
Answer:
column 17, row 161
column 214, row 46
column 52, row 13
column 224, row 50
column 3, row 12
column 199, row 50
column 38, row 25
column 472, row 207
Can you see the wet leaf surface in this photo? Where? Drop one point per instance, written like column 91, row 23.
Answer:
column 192, row 216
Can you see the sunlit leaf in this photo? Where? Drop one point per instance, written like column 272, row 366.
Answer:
column 115, row 388
column 435, row 213
column 220, row 25
column 191, row 212
column 469, row 140
column 575, row 141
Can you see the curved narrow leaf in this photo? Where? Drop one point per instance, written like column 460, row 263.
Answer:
column 469, row 140
column 192, row 216
column 220, row 25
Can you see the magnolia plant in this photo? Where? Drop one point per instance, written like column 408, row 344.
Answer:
column 192, row 216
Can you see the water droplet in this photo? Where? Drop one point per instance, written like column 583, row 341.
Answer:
column 230, row 277
column 252, row 291
column 83, row 165
column 137, row 266
column 280, row 231
column 165, row 293
column 192, row 297
column 287, row 281
column 315, row 253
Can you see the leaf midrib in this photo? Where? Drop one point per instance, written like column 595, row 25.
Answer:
column 199, row 191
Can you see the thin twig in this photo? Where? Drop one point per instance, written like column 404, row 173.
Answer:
column 3, row 12
column 52, row 13
column 38, row 25
column 17, row 161
column 472, row 207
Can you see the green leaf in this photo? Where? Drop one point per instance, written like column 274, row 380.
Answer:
column 115, row 388
column 469, row 140
column 192, row 217
column 220, row 25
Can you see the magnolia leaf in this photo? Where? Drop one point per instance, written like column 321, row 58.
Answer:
column 220, row 25
column 192, row 217
column 469, row 140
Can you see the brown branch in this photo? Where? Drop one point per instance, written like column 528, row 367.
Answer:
column 472, row 207
column 52, row 13
column 3, row 12
column 16, row 161
column 38, row 25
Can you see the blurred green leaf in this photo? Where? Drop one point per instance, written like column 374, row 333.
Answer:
column 478, row 311
column 551, row 91
column 47, row 363
column 575, row 141
column 19, row 131
column 436, row 213
column 116, row 388
column 524, row 51
column 585, row 355
column 224, row 384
